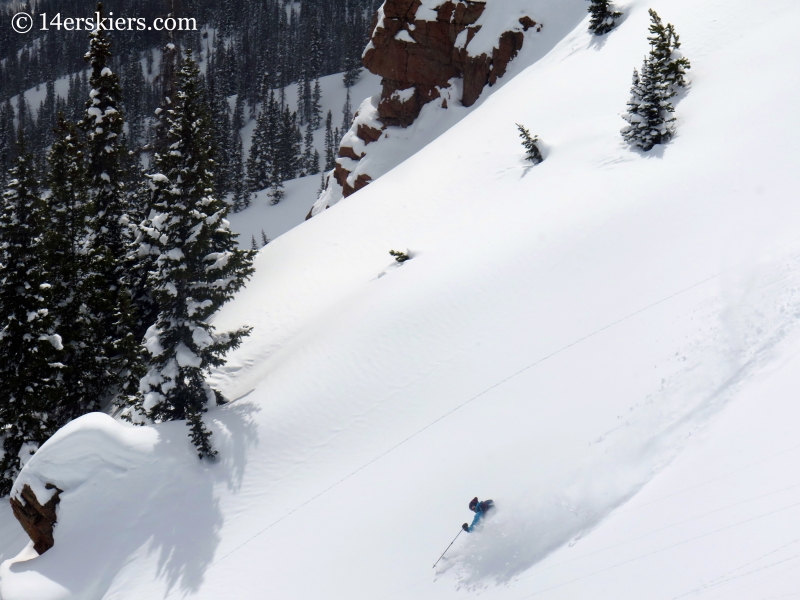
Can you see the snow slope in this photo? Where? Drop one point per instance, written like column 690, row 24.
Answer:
column 302, row 192
column 607, row 344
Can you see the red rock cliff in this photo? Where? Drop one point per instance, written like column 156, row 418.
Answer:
column 418, row 47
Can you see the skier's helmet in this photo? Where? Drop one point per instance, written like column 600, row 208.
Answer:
column 473, row 504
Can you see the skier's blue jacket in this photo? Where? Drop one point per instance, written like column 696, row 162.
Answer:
column 480, row 509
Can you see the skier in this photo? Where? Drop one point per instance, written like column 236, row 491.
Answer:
column 480, row 509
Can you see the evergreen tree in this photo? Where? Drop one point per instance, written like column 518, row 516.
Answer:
column 347, row 115
column 198, row 268
column 30, row 348
column 118, row 350
column 310, row 155
column 264, row 239
column 665, row 51
column 603, row 17
column 84, row 381
column 650, row 106
column 315, row 109
column 221, row 127
column 259, row 162
column 530, row 144
column 352, row 72
column 241, row 199
column 7, row 137
column 649, row 109
column 330, row 144
column 253, row 245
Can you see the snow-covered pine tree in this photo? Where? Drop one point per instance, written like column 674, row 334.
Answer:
column 198, row 268
column 650, row 106
column 30, row 347
column 117, row 349
column 665, row 51
column 65, row 241
column 649, row 109
column 529, row 143
column 603, row 17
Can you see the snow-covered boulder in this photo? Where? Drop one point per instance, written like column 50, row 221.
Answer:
column 77, row 456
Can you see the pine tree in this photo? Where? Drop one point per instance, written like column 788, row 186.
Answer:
column 665, row 51
column 259, row 162
column 352, row 72
column 650, row 106
column 649, row 109
column 603, row 17
column 253, row 245
column 7, row 137
column 330, row 143
column 241, row 199
column 198, row 269
column 118, row 350
column 310, row 155
column 30, row 347
column 221, row 127
column 315, row 110
column 264, row 239
column 65, row 242
column 347, row 115
column 530, row 144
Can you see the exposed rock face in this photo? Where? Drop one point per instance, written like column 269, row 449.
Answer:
column 419, row 47
column 415, row 56
column 36, row 519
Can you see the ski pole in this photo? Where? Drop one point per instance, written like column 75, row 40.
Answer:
column 448, row 548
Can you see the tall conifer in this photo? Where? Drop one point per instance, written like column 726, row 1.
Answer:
column 117, row 349
column 198, row 269
column 30, row 347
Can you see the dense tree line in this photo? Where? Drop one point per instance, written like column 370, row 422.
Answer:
column 278, row 41
column 109, row 272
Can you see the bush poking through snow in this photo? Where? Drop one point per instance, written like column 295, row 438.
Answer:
column 650, row 107
column 529, row 143
column 399, row 256
column 603, row 17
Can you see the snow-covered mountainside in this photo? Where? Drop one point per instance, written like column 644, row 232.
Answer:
column 607, row 344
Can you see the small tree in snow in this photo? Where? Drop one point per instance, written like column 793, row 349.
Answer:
column 665, row 51
column 30, row 348
column 650, row 108
column 603, row 17
column 529, row 143
column 198, row 268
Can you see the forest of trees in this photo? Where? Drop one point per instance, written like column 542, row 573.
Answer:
column 250, row 47
column 114, row 248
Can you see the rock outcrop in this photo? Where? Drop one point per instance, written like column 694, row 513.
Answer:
column 419, row 47
column 416, row 57
column 37, row 519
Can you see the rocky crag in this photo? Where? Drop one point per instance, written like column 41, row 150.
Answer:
column 422, row 50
